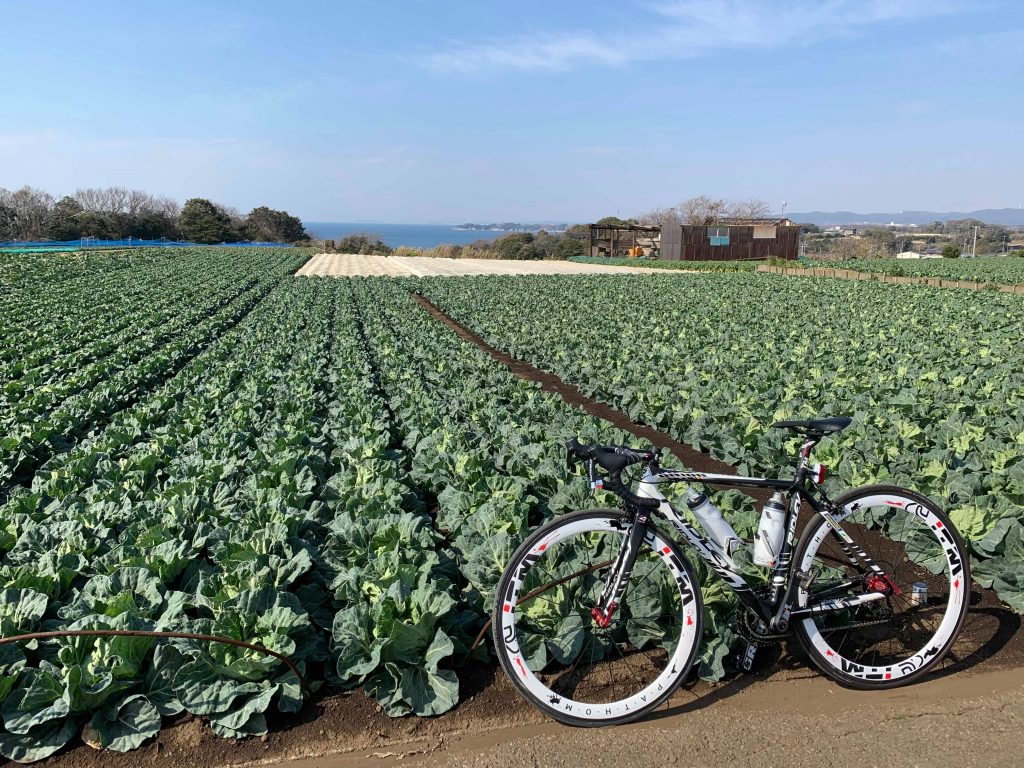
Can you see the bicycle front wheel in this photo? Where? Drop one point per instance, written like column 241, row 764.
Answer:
column 555, row 653
column 900, row 625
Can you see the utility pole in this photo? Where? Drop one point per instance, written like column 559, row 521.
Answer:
column 974, row 245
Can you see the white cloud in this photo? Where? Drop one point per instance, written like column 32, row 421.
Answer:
column 683, row 29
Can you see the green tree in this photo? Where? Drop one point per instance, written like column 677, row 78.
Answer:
column 94, row 224
column 63, row 221
column 568, row 247
column 267, row 225
column 203, row 222
column 951, row 251
column 614, row 221
column 152, row 225
column 517, row 245
column 363, row 244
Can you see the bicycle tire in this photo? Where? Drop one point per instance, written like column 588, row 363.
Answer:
column 512, row 657
column 914, row 517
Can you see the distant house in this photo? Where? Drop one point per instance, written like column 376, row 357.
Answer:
column 931, row 253
column 731, row 239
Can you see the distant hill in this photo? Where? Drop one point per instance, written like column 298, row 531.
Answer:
column 1006, row 217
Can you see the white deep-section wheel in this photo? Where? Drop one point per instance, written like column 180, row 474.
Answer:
column 914, row 611
column 559, row 657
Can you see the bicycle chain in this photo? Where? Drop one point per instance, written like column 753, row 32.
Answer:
column 760, row 639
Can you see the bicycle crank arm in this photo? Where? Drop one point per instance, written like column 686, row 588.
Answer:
column 838, row 604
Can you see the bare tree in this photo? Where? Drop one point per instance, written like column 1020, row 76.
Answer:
column 25, row 212
column 702, row 210
column 659, row 217
column 750, row 209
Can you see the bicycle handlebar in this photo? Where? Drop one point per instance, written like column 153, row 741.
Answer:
column 613, row 459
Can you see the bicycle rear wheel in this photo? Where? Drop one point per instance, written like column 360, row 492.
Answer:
column 898, row 637
column 553, row 650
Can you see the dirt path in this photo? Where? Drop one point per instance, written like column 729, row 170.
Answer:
column 969, row 720
column 353, row 265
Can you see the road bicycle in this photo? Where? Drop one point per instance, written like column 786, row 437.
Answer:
column 598, row 615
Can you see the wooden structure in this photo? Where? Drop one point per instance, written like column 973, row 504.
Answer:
column 619, row 242
column 730, row 239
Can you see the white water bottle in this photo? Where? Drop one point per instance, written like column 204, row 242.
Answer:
column 770, row 530
column 710, row 518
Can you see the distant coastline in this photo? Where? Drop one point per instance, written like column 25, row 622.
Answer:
column 510, row 227
column 420, row 235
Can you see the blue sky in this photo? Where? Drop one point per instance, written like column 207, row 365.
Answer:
column 478, row 111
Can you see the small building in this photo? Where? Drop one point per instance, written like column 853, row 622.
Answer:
column 731, row 239
column 908, row 255
column 624, row 240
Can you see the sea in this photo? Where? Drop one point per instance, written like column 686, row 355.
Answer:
column 412, row 235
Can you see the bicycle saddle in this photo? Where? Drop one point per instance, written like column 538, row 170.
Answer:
column 816, row 427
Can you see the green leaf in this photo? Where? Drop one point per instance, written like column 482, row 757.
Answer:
column 39, row 742
column 126, row 725
column 38, row 701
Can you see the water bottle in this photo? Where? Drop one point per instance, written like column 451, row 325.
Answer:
column 711, row 520
column 770, row 530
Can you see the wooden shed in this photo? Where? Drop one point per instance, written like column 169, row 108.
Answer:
column 619, row 241
column 730, row 239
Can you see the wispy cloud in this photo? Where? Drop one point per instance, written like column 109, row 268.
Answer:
column 596, row 151
column 686, row 28
column 1005, row 41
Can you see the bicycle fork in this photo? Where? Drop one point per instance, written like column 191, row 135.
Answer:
column 621, row 570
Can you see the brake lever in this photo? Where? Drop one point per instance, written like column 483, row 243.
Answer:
column 596, row 483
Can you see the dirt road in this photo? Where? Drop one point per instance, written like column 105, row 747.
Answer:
column 793, row 719
column 351, row 265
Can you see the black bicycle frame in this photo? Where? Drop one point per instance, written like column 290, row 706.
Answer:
column 777, row 610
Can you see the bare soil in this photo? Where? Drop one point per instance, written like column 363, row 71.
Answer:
column 355, row 265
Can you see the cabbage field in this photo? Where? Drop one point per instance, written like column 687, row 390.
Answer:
column 1004, row 270
column 934, row 378
column 201, row 442
column 310, row 465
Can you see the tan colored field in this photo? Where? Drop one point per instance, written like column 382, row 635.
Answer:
column 351, row 265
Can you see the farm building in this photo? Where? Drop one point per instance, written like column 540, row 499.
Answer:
column 623, row 240
column 731, row 239
column 728, row 239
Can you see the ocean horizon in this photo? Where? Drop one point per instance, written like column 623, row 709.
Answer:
column 411, row 235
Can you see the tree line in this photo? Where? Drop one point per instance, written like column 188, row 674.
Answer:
column 118, row 213
column 520, row 246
